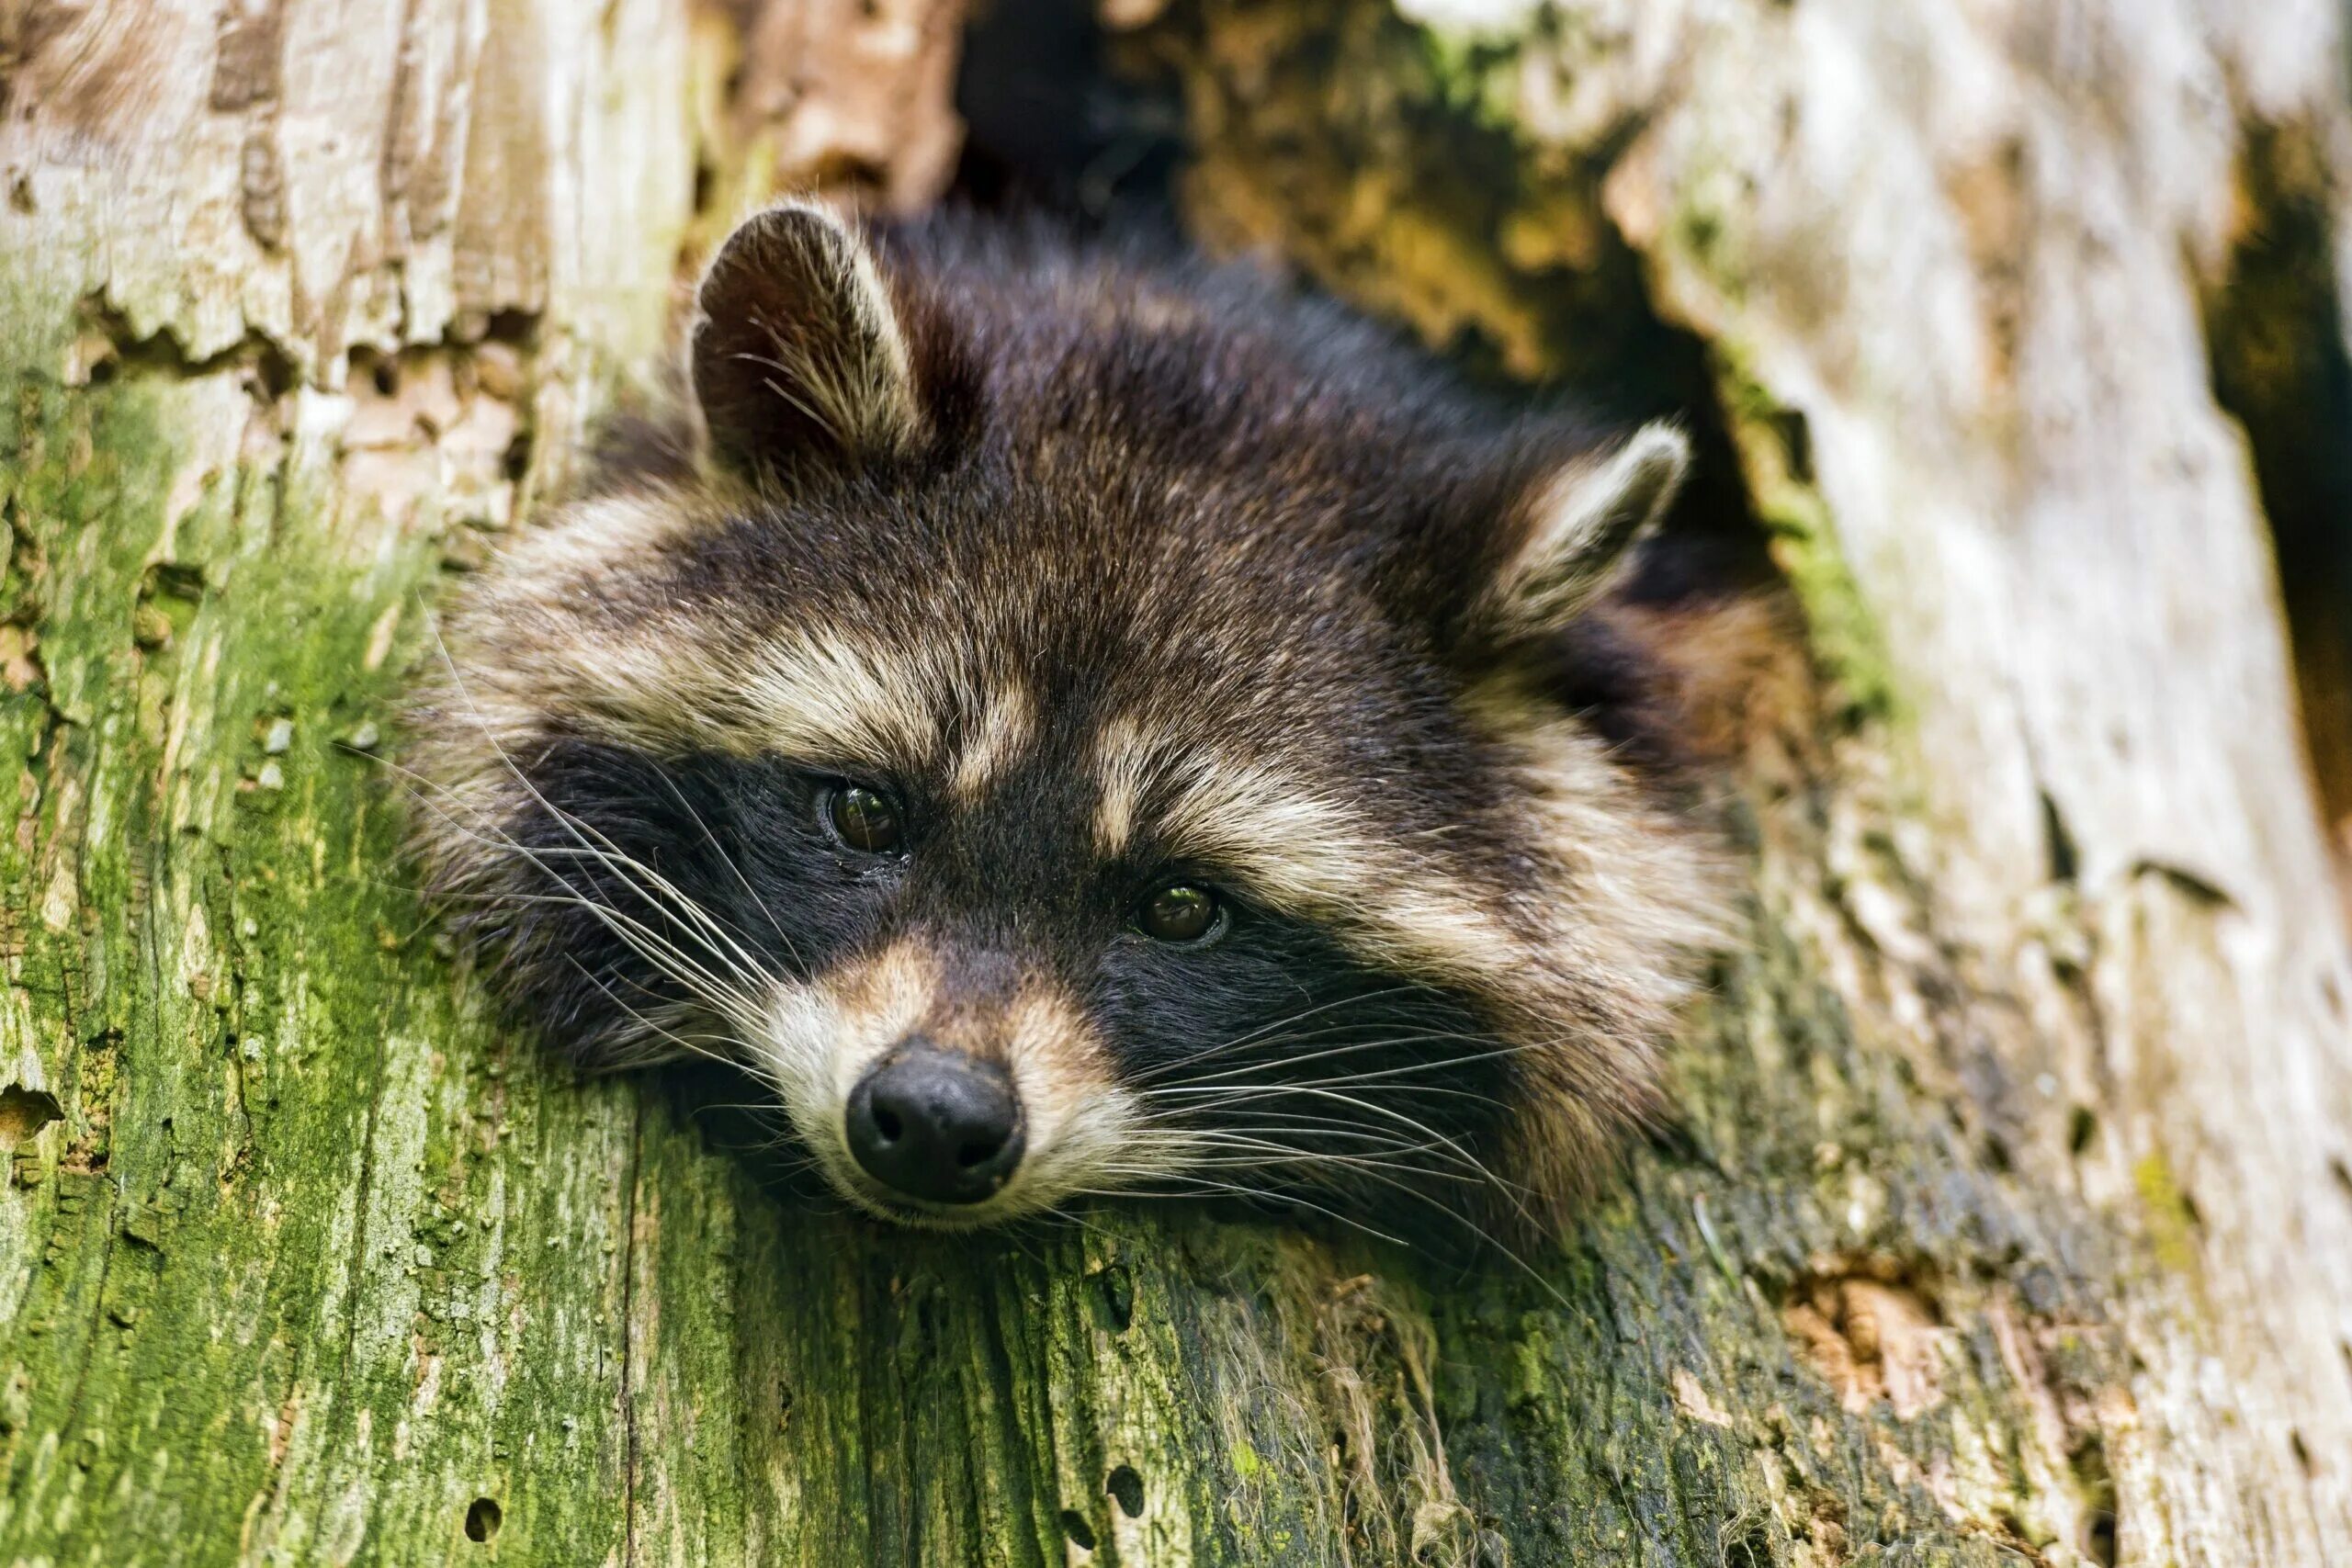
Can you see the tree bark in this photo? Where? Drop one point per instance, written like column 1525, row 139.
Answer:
column 2013, row 1224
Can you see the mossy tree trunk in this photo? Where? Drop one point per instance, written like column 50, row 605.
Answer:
column 2013, row 1225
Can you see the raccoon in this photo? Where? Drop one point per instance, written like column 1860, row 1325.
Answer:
column 1069, row 722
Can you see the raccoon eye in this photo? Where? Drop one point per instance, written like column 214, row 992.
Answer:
column 864, row 818
column 1182, row 913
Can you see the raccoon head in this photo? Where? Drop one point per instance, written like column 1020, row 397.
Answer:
column 1076, row 726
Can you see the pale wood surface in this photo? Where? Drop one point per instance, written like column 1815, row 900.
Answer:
column 2011, row 1236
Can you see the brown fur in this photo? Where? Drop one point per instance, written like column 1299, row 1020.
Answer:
column 1111, row 573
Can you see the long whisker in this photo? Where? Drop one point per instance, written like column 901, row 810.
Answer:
column 728, row 861
column 1349, row 1163
column 684, row 1043
column 1447, row 1150
column 1452, row 1145
column 1271, row 1124
column 751, row 977
column 1286, row 1021
column 1245, row 1145
column 1202, row 1184
column 1428, row 1037
column 1205, row 1096
column 654, row 947
column 749, row 967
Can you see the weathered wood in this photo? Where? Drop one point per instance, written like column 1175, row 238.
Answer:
column 2007, row 1234
column 1951, row 267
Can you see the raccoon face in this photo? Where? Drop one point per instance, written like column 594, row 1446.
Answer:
column 1073, row 727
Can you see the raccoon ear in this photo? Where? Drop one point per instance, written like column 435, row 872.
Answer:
column 797, row 354
column 1581, row 525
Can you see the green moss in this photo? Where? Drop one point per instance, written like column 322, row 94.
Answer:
column 266, row 1285
column 1845, row 636
column 1469, row 73
column 2171, row 1222
column 320, row 1258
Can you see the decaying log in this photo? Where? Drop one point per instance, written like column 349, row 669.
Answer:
column 2010, row 1224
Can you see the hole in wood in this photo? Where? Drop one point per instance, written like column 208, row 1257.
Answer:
column 1074, row 1526
column 2099, row 1542
column 2095, row 1482
column 2081, row 1128
column 1115, row 1298
column 25, row 1111
column 2065, row 860
column 482, row 1519
column 2275, row 332
column 1127, row 1488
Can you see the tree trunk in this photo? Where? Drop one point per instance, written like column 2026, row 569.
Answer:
column 2014, row 1223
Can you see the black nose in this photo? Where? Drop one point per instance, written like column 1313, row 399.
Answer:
column 935, row 1124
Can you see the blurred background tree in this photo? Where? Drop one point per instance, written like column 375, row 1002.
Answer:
column 2013, row 1221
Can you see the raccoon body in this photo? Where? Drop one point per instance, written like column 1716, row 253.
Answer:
column 1075, row 725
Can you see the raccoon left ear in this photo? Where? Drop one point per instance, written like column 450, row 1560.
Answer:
column 1581, row 526
column 799, row 353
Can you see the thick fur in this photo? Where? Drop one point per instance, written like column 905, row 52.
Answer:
column 1108, row 571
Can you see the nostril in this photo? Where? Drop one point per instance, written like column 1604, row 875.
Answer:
column 938, row 1125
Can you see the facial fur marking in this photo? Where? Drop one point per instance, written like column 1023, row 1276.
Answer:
column 671, row 685
column 879, row 1001
column 950, row 500
column 1004, row 726
column 1082, row 1120
column 1300, row 851
column 817, row 1042
column 1123, row 766
column 823, row 693
column 1315, row 857
column 598, row 535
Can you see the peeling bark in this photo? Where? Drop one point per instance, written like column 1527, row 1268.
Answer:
column 2005, row 1230
column 1965, row 280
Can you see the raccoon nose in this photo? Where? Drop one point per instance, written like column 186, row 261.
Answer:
column 936, row 1124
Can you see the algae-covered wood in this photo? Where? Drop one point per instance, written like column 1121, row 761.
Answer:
column 301, row 1259
column 1968, row 284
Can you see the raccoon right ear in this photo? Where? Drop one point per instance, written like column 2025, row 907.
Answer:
column 1578, row 532
column 799, row 355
